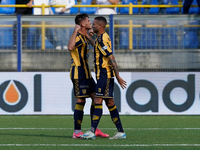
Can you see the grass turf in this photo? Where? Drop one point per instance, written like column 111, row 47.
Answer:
column 143, row 132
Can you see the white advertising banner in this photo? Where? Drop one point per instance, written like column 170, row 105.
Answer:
column 147, row 93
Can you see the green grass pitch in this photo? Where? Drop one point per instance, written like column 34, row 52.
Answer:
column 143, row 132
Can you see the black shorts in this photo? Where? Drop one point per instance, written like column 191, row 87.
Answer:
column 105, row 87
column 83, row 87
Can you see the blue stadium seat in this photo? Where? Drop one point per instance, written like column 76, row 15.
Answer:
column 148, row 35
column 6, row 35
column 169, row 38
column 31, row 37
column 148, row 38
column 74, row 10
column 7, row 10
column 88, row 10
column 190, row 40
column 48, row 45
column 173, row 10
column 124, row 36
column 124, row 39
column 152, row 10
column 192, row 10
column 190, row 35
column 125, row 10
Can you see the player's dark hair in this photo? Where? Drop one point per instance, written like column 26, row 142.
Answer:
column 101, row 19
column 80, row 17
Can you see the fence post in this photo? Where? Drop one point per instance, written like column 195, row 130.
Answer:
column 43, row 28
column 130, row 27
column 111, row 31
column 19, row 43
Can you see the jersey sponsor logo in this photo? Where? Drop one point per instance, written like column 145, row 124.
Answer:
column 84, row 86
column 99, row 94
column 104, row 48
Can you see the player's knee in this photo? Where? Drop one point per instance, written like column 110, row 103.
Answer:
column 110, row 102
column 80, row 100
column 98, row 100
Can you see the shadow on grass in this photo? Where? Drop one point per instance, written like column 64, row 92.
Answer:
column 35, row 135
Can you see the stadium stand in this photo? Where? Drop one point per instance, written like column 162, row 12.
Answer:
column 6, row 35
column 189, row 37
column 148, row 36
column 31, row 39
column 168, row 35
column 172, row 10
column 89, row 10
column 74, row 10
column 125, row 10
column 7, row 10
column 124, row 36
column 192, row 10
column 152, row 10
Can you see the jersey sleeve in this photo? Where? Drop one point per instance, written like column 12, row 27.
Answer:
column 78, row 41
column 105, row 45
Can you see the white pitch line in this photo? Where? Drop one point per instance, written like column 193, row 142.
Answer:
column 94, row 145
column 101, row 128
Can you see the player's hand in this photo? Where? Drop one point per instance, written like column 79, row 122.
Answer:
column 121, row 82
column 91, row 32
column 77, row 27
column 63, row 9
column 30, row 4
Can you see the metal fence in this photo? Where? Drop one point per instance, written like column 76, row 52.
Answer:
column 140, row 42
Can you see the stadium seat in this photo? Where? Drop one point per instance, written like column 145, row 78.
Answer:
column 125, row 10
column 189, row 37
column 148, row 35
column 31, row 38
column 169, row 38
column 190, row 40
column 148, row 38
column 124, row 39
column 6, row 35
column 88, row 10
column 74, row 10
column 152, row 10
column 124, row 36
column 192, row 10
column 7, row 10
column 172, row 10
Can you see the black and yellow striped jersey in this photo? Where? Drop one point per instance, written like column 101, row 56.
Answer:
column 79, row 58
column 102, row 50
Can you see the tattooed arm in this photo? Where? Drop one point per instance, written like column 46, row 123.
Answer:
column 119, row 79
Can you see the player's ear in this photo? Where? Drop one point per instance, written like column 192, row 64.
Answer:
column 83, row 23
